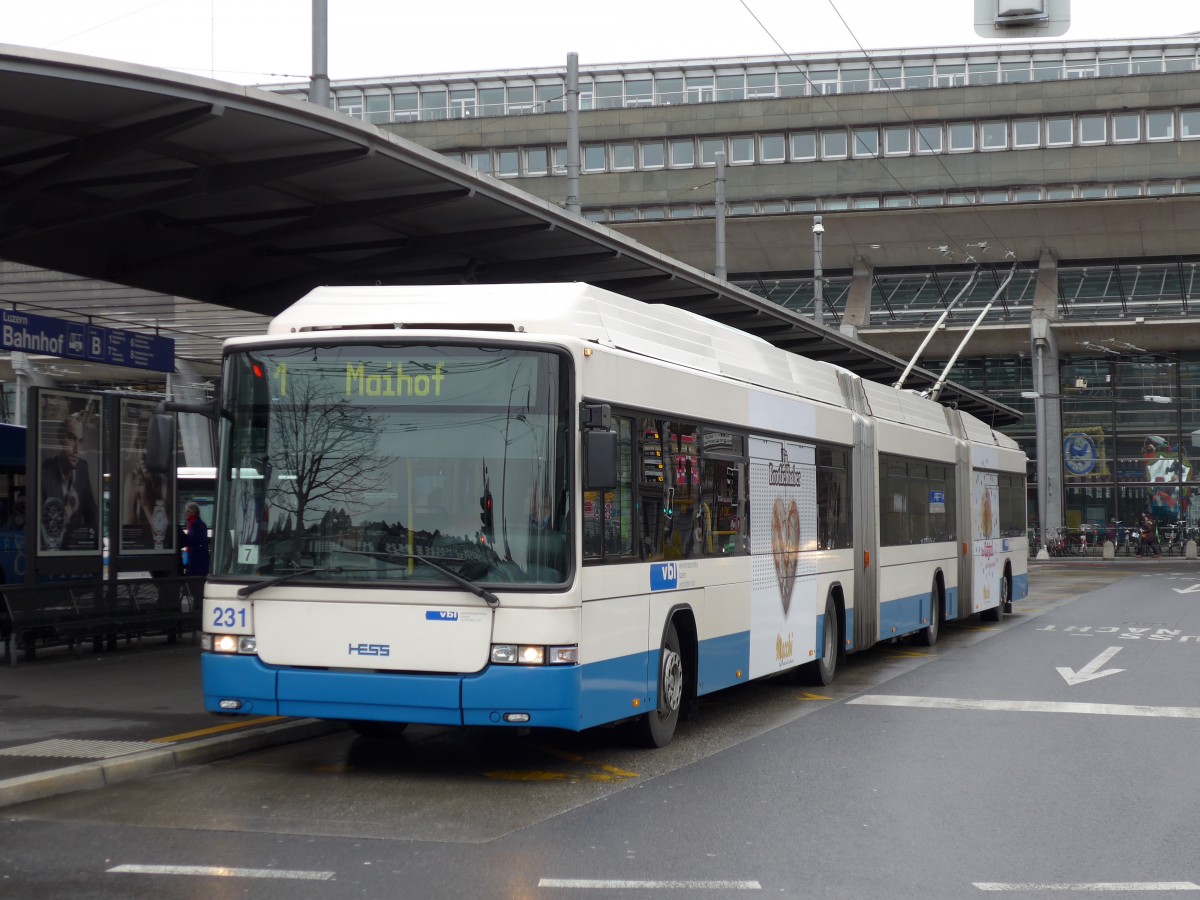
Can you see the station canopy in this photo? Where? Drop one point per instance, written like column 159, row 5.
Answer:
column 246, row 200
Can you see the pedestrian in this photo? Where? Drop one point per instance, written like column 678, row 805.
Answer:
column 1148, row 544
column 196, row 548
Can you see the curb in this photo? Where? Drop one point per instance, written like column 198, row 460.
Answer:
column 102, row 773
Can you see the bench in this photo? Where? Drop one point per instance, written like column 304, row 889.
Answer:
column 74, row 611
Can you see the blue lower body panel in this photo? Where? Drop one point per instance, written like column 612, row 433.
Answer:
column 720, row 661
column 909, row 614
column 1020, row 586
column 570, row 697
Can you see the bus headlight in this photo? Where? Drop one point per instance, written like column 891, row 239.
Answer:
column 534, row 655
column 229, row 643
column 563, row 656
column 504, row 654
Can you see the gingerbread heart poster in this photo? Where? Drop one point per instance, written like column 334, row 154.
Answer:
column 783, row 531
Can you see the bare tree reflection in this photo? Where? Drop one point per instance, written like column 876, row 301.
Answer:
column 323, row 459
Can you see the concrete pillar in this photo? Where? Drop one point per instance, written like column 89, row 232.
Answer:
column 857, row 313
column 1047, row 406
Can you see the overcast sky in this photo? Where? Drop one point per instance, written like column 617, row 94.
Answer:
column 260, row 41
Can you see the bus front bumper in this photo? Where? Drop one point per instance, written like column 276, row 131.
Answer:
column 549, row 696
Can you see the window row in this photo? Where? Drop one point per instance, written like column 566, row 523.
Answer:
column 916, row 501
column 867, row 142
column 469, row 97
column 684, row 492
column 1025, row 194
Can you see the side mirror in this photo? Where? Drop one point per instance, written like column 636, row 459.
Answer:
column 599, row 460
column 160, row 443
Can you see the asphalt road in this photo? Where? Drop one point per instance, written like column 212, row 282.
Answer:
column 1052, row 754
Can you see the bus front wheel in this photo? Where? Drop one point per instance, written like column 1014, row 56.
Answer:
column 657, row 727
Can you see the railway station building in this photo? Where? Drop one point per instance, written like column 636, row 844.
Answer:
column 1025, row 215
column 1043, row 197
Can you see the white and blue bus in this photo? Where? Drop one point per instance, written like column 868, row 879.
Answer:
column 547, row 505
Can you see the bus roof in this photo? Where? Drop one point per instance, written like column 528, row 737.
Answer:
column 589, row 313
column 571, row 309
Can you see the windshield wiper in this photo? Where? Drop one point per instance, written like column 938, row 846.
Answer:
column 466, row 583
column 249, row 589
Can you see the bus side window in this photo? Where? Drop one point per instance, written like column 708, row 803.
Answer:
column 833, row 498
column 608, row 523
column 654, row 503
column 722, row 524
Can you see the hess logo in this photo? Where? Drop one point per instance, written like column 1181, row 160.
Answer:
column 370, row 650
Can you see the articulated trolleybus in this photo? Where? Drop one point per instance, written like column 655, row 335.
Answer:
column 552, row 506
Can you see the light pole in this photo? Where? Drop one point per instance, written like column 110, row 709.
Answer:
column 318, row 92
column 818, row 274
column 719, row 268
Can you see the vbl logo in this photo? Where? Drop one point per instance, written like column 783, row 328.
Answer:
column 370, row 650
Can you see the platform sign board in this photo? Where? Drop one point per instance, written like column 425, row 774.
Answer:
column 31, row 333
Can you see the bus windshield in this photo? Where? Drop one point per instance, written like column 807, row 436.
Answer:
column 360, row 462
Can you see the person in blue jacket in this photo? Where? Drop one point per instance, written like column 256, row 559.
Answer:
column 196, row 542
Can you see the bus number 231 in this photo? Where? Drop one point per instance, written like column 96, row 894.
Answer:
column 229, row 617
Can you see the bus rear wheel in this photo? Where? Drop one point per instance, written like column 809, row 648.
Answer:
column 657, row 727
column 996, row 614
column 820, row 672
column 928, row 635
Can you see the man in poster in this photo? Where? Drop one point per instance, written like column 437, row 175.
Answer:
column 68, row 514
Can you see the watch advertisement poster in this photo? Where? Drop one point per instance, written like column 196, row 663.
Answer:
column 69, row 473
column 147, row 498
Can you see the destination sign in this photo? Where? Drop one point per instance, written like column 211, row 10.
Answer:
column 30, row 333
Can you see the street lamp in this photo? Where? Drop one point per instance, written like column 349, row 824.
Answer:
column 818, row 231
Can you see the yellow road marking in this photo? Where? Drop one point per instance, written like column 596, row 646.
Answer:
column 575, row 757
column 607, row 773
column 808, row 696
column 216, row 729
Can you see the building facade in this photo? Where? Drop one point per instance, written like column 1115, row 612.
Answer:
column 1040, row 197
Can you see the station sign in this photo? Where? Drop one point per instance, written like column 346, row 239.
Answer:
column 31, row 333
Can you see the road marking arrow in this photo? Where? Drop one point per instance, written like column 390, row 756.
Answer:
column 1194, row 589
column 1091, row 670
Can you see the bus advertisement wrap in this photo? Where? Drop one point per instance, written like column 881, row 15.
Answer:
column 985, row 503
column 783, row 524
